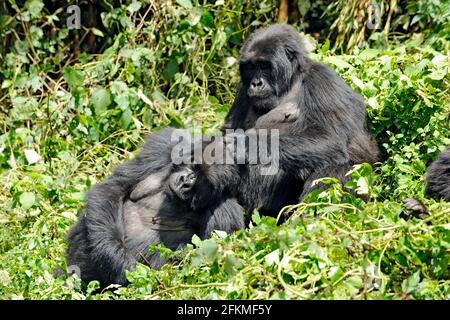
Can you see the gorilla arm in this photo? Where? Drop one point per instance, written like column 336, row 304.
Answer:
column 286, row 112
column 228, row 217
column 105, row 232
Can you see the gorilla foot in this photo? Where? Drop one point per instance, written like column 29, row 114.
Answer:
column 416, row 207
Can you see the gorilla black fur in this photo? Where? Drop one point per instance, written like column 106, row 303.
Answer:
column 148, row 200
column 330, row 133
column 438, row 176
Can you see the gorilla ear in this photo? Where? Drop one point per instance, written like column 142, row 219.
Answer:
column 290, row 53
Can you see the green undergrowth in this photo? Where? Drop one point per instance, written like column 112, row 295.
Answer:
column 66, row 121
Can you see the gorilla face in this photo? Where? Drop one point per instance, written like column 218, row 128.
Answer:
column 182, row 186
column 269, row 63
column 257, row 76
column 182, row 182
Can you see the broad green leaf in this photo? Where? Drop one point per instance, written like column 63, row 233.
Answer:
column 338, row 62
column 363, row 187
column 6, row 84
column 207, row 19
column 73, row 77
column 32, row 156
column 410, row 284
column 196, row 240
column 27, row 199
column 358, row 82
column 125, row 119
column 231, row 264
column 256, row 218
column 97, row 32
column 273, row 257
column 101, row 99
column 34, row 6
column 185, row 3
column 134, row 6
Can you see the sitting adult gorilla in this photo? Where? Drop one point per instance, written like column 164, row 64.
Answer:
column 148, row 200
column 325, row 135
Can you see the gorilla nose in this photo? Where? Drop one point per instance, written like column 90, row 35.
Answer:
column 256, row 83
column 186, row 181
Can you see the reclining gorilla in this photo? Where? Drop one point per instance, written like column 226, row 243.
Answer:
column 322, row 123
column 148, row 200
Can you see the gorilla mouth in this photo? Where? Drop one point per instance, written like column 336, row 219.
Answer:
column 182, row 183
column 259, row 95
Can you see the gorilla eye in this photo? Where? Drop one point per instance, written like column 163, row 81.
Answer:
column 243, row 64
column 265, row 65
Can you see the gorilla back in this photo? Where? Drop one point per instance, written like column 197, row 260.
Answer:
column 148, row 200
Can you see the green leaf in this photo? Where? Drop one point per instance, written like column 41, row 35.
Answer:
column 185, row 3
column 304, row 6
column 209, row 249
column 32, row 156
column 147, row 118
column 73, row 77
column 97, row 32
column 171, row 69
column 196, row 240
column 231, row 264
column 363, row 186
column 101, row 99
column 126, row 118
column 207, row 20
column 273, row 258
column 410, row 284
column 256, row 218
column 335, row 273
column 35, row 7
column 27, row 199
column 358, row 82
column 326, row 46
column 338, row 62
column 6, row 84
column 134, row 6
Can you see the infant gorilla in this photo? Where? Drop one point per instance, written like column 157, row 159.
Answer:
column 149, row 200
column 282, row 115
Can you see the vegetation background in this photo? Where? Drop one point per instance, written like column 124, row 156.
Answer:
column 74, row 103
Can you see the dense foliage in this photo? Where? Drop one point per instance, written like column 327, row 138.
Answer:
column 75, row 103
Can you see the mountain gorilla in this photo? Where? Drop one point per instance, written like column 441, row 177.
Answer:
column 438, row 176
column 438, row 183
column 148, row 200
column 321, row 120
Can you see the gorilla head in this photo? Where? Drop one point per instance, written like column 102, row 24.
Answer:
column 269, row 64
column 148, row 200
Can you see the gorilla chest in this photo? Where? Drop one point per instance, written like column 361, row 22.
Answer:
column 155, row 215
